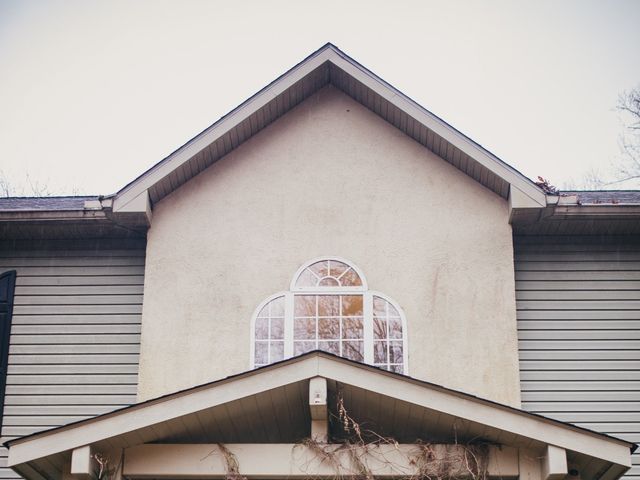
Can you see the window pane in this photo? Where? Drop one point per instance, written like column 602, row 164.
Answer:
column 307, row 279
column 277, row 328
column 350, row 279
column 352, row 328
column 379, row 307
column 331, row 347
column 352, row 305
column 277, row 307
column 379, row 328
column 395, row 352
column 353, row 350
column 320, row 269
column 337, row 268
column 392, row 310
column 380, row 352
column 329, row 328
column 261, row 352
column 265, row 311
column 328, row 305
column 277, row 351
column 305, row 305
column 302, row 347
column 395, row 328
column 262, row 328
column 304, row 328
column 329, row 282
column 397, row 368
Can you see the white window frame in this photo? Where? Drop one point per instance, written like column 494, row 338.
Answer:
column 329, row 289
column 367, row 313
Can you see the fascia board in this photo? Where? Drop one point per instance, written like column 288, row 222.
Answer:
column 137, row 205
column 519, row 199
column 51, row 215
column 596, row 211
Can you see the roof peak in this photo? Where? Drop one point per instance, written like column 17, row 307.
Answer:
column 328, row 65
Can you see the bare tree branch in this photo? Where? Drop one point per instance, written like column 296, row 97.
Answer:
column 27, row 188
column 629, row 107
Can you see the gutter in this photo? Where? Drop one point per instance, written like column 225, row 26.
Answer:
column 566, row 215
column 95, row 212
column 569, row 206
column 50, row 215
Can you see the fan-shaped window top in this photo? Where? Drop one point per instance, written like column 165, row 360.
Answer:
column 328, row 273
column 329, row 308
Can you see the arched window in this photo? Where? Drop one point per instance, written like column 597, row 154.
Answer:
column 330, row 308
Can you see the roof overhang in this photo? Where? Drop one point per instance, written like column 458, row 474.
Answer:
column 67, row 218
column 582, row 213
column 327, row 66
column 289, row 401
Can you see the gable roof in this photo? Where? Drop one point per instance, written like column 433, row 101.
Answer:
column 129, row 211
column 168, row 417
column 328, row 65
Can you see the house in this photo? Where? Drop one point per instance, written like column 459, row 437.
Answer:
column 329, row 280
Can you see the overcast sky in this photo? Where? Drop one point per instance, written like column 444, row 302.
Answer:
column 93, row 93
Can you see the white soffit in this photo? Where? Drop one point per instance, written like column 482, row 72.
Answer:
column 430, row 396
column 329, row 65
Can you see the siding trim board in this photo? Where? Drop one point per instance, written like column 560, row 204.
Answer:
column 7, row 290
column 75, row 339
column 578, row 322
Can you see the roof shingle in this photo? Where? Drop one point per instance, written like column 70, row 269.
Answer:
column 44, row 203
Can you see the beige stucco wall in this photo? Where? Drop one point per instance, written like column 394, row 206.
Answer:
column 331, row 178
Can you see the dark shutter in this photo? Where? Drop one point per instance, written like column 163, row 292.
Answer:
column 7, row 287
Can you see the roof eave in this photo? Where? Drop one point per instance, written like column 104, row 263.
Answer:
column 93, row 217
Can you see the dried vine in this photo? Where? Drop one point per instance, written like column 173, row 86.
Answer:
column 231, row 463
column 351, row 455
column 427, row 461
column 103, row 471
column 451, row 462
column 546, row 186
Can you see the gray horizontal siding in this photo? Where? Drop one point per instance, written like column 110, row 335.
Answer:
column 579, row 333
column 75, row 336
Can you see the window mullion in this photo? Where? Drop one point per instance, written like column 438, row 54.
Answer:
column 288, row 324
column 367, row 306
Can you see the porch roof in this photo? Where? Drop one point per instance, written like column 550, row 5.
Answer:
column 271, row 405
